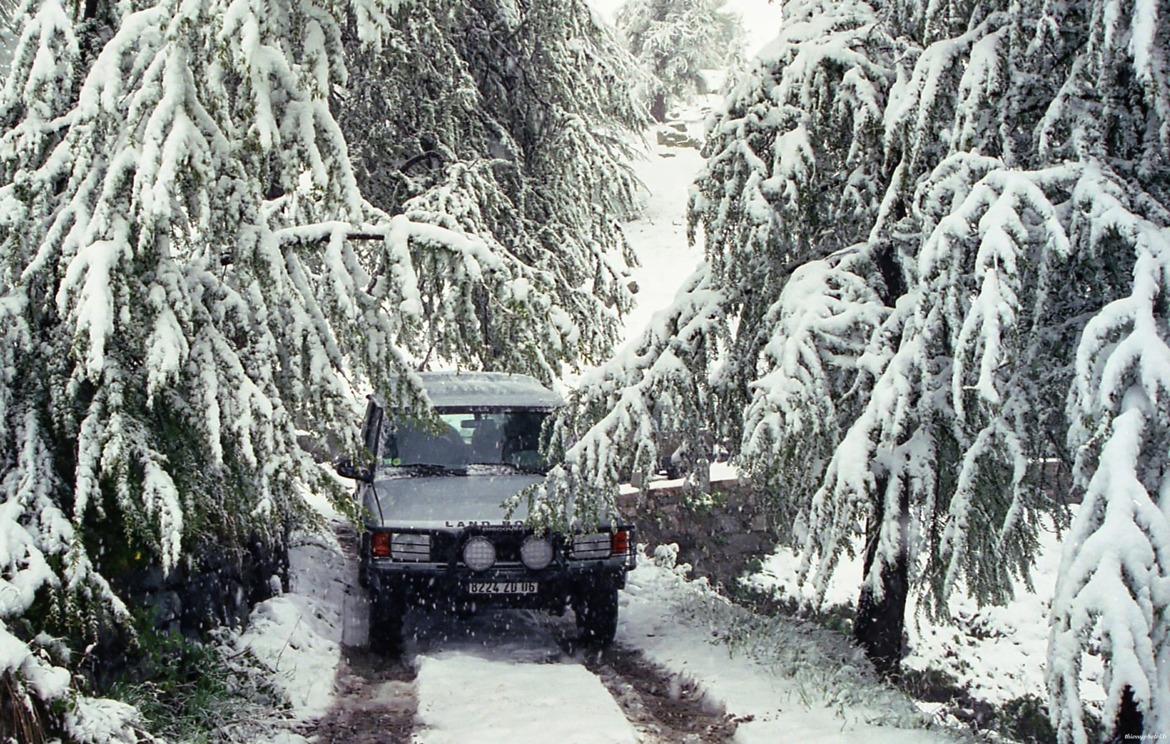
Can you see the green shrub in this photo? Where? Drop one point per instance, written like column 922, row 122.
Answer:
column 1026, row 719
column 195, row 691
column 931, row 685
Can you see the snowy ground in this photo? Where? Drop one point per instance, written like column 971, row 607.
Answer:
column 659, row 234
column 483, row 697
column 996, row 653
column 507, row 676
column 785, row 681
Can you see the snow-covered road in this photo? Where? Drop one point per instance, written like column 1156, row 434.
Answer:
column 687, row 666
column 506, row 677
column 498, row 676
column 471, row 697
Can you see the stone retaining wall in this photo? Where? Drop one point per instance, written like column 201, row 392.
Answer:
column 219, row 590
column 718, row 532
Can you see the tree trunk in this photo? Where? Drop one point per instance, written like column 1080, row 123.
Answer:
column 880, row 621
column 1129, row 724
column 658, row 107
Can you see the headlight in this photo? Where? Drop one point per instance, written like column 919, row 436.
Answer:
column 410, row 547
column 536, row 553
column 479, row 554
column 596, row 545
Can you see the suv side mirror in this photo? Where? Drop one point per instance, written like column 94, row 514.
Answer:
column 346, row 469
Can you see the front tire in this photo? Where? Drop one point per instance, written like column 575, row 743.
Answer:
column 386, row 612
column 597, row 616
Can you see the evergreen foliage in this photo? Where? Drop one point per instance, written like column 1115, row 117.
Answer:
column 675, row 40
column 193, row 280
column 935, row 240
column 510, row 122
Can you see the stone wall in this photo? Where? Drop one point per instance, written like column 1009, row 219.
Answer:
column 219, row 590
column 718, row 531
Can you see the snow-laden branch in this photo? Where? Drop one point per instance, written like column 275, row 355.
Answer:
column 608, row 431
column 808, row 373
column 1114, row 586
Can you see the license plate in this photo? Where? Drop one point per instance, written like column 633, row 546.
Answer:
column 502, row 587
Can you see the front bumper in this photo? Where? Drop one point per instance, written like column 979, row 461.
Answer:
column 440, row 586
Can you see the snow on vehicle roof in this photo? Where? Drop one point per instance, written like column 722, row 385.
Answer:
column 487, row 389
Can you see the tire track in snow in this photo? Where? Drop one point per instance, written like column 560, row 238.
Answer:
column 664, row 708
column 378, row 697
column 376, row 702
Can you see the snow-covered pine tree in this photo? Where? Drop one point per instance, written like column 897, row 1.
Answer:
column 182, row 300
column 513, row 123
column 675, row 41
column 966, row 281
column 974, row 362
column 793, row 174
column 1112, row 113
column 766, row 204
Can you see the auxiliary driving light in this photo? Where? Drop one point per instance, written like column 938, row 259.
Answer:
column 479, row 554
column 536, row 553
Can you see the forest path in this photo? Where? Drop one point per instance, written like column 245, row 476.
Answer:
column 379, row 699
column 506, row 676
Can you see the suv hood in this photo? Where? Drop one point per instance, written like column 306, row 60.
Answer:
column 448, row 501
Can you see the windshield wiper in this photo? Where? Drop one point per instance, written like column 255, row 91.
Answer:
column 430, row 468
column 511, row 467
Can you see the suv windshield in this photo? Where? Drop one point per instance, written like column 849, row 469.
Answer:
column 461, row 437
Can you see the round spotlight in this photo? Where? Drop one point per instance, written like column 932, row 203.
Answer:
column 536, row 553
column 479, row 554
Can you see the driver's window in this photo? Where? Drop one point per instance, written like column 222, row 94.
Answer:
column 521, row 440
column 486, row 440
column 423, row 443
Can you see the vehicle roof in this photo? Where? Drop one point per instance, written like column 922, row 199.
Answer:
column 487, row 390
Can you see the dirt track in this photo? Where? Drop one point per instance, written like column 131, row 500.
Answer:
column 377, row 696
